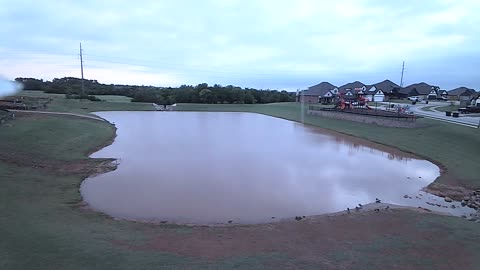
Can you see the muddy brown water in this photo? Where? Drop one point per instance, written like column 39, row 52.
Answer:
column 208, row 168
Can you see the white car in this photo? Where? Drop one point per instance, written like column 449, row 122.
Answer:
column 414, row 98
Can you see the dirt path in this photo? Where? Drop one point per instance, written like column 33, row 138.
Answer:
column 61, row 113
column 399, row 237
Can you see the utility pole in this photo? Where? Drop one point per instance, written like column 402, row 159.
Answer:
column 81, row 68
column 403, row 69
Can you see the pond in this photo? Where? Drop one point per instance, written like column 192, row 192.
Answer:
column 211, row 167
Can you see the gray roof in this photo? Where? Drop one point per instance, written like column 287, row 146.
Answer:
column 319, row 90
column 421, row 88
column 443, row 92
column 386, row 86
column 356, row 84
column 461, row 90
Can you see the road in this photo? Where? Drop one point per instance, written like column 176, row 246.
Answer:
column 462, row 120
column 62, row 113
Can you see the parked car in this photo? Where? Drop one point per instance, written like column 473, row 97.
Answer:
column 415, row 98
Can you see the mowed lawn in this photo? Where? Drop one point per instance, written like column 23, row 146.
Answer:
column 42, row 226
column 448, row 108
column 109, row 103
column 456, row 147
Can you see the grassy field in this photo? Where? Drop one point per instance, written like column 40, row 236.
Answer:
column 427, row 108
column 112, row 98
column 454, row 146
column 42, row 226
column 406, row 101
column 113, row 103
column 448, row 108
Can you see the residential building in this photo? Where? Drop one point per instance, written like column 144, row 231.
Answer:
column 380, row 91
column 323, row 92
column 462, row 94
column 352, row 90
column 422, row 90
column 475, row 100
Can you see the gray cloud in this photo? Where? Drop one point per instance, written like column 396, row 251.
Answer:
column 268, row 44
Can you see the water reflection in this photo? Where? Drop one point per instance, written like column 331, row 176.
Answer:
column 191, row 167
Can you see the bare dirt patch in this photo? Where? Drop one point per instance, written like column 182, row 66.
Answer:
column 319, row 240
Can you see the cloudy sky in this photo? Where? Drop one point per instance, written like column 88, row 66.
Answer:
column 265, row 43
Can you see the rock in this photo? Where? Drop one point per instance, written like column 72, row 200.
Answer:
column 298, row 218
column 464, row 203
column 439, row 205
column 447, row 199
column 273, row 217
column 463, row 216
column 405, row 196
column 453, row 206
column 230, row 222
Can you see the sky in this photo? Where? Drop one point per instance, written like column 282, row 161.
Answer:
column 268, row 44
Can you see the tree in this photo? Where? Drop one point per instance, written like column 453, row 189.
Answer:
column 206, row 96
column 249, row 98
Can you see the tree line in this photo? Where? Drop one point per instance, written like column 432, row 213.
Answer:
column 201, row 93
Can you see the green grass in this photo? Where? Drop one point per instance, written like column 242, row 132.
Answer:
column 406, row 101
column 60, row 104
column 457, row 147
column 51, row 137
column 112, row 98
column 449, row 108
column 427, row 108
column 41, row 228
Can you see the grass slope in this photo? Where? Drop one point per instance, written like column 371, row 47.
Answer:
column 457, row 147
column 112, row 103
column 42, row 227
column 449, row 108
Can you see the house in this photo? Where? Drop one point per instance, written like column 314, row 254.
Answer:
column 352, row 90
column 323, row 92
column 374, row 94
column 442, row 94
column 463, row 94
column 422, row 90
column 379, row 91
column 475, row 100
